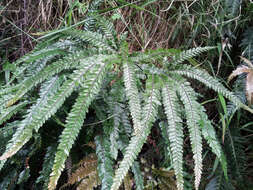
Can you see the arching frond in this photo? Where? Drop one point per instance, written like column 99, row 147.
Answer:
column 90, row 87
column 174, row 130
column 52, row 69
column 188, row 97
column 33, row 56
column 93, row 38
column 210, row 82
column 187, row 54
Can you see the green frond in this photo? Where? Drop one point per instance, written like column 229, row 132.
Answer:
column 152, row 55
column 247, row 44
column 209, row 135
column 233, row 7
column 210, row 82
column 8, row 90
column 130, row 155
column 8, row 180
column 2, row 162
column 114, row 135
column 212, row 185
column 188, row 97
column 90, row 87
column 174, row 130
column 187, row 54
column 91, row 18
column 8, row 130
column 33, row 120
column 105, row 164
column 10, row 111
column 31, row 57
column 138, row 178
column 133, row 95
column 47, row 166
column 108, row 29
column 93, row 38
column 43, row 109
column 152, row 99
column 67, row 62
column 137, row 141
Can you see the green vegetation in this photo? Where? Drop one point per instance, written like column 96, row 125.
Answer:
column 120, row 94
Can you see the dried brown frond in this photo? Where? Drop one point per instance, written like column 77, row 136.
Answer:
column 85, row 174
column 89, row 183
column 239, row 70
column 165, row 178
column 86, row 167
column 249, row 79
column 128, row 182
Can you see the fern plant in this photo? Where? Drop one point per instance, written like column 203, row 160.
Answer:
column 83, row 64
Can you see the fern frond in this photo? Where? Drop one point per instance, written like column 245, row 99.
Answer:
column 130, row 155
column 90, row 87
column 47, row 165
column 138, row 178
column 152, row 55
column 139, row 139
column 209, row 134
column 187, row 54
column 66, row 63
column 152, row 99
column 133, row 95
column 105, row 164
column 212, row 185
column 210, row 82
column 93, row 38
column 174, row 130
column 247, row 44
column 108, row 29
column 32, row 120
column 43, row 110
column 10, row 111
column 114, row 135
column 233, row 7
column 2, row 162
column 91, row 18
column 188, row 97
column 33, row 56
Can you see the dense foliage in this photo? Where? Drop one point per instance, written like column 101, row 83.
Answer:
column 85, row 101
